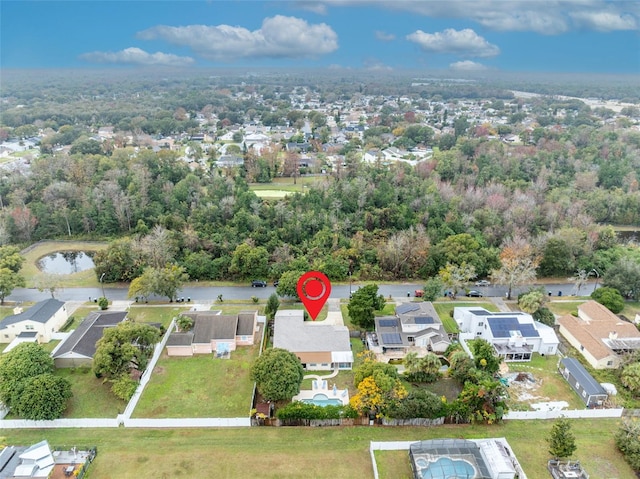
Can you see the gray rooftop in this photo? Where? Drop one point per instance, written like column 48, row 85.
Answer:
column 83, row 339
column 40, row 313
column 294, row 334
column 586, row 380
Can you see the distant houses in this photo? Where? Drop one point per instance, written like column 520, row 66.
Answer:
column 36, row 324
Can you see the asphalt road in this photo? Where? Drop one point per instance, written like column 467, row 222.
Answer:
column 206, row 293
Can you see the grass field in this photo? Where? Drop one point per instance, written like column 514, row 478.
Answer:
column 154, row 314
column 91, row 396
column 296, row 452
column 32, row 273
column 200, row 386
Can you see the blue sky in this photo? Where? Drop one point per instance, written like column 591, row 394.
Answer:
column 383, row 35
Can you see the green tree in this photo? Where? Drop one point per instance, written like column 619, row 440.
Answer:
column 103, row 303
column 425, row 369
column 165, row 281
column 484, row 356
column 184, row 323
column 288, row 284
column 456, row 276
column 120, row 261
column 127, row 346
column 630, row 377
column 433, row 289
column 624, row 276
column 545, row 316
column 11, row 258
column 249, row 261
column 278, row 374
column 124, row 387
column 271, row 308
column 362, row 305
column 627, row 440
column 610, row 298
column 8, row 282
column 42, row 397
column 562, row 442
column 418, row 403
column 25, row 361
column 531, row 301
column 483, row 401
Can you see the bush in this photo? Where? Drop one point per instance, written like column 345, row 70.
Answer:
column 545, row 316
column 628, row 441
column 610, row 298
column 303, row 410
column 103, row 303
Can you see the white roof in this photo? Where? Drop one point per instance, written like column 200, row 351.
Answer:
column 341, row 357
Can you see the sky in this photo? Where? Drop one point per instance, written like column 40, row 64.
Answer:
column 591, row 36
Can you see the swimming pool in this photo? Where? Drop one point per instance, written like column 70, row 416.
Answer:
column 323, row 400
column 445, row 468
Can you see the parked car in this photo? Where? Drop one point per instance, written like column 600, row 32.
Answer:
column 483, row 282
column 418, row 293
column 258, row 283
column 474, row 294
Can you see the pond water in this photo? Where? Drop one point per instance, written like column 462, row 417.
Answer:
column 66, row 262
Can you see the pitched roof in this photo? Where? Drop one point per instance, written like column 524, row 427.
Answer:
column 83, row 340
column 246, row 323
column 292, row 333
column 180, row 339
column 40, row 312
column 586, row 380
column 593, row 327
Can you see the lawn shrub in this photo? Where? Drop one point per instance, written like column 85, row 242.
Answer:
column 302, row 410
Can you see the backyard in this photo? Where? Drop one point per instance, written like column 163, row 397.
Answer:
column 331, row 452
column 200, row 386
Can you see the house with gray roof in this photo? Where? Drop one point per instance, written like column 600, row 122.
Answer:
column 416, row 327
column 214, row 332
column 78, row 349
column 318, row 346
column 590, row 391
column 43, row 318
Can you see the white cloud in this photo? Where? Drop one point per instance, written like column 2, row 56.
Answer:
column 467, row 66
column 136, row 56
column 604, row 21
column 373, row 65
column 314, row 7
column 279, row 37
column 460, row 42
column 384, row 36
column 548, row 17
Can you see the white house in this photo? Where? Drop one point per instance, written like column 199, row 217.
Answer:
column 38, row 322
column 514, row 335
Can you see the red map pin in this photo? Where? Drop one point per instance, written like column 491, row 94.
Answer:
column 314, row 289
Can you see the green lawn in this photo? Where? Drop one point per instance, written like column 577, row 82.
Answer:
column 155, row 314
column 91, row 396
column 86, row 278
column 549, row 386
column 562, row 308
column 298, row 452
column 200, row 386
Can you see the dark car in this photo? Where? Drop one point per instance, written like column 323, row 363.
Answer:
column 474, row 294
column 258, row 283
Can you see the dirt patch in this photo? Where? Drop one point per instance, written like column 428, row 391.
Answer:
column 159, row 370
column 524, row 387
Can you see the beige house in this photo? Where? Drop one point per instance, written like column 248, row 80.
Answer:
column 212, row 331
column 36, row 324
column 318, row 346
column 600, row 336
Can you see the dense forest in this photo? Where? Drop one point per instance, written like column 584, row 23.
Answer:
column 555, row 190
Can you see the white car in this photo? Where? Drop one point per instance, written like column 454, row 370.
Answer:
column 483, row 282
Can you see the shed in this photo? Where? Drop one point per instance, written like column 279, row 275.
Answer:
column 585, row 386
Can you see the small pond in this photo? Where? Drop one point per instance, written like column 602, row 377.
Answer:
column 66, row 262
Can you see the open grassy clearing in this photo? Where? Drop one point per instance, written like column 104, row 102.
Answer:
column 200, row 386
column 32, row 273
column 154, row 314
column 332, row 453
column 562, row 308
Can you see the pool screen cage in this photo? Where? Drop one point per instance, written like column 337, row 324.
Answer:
column 425, row 454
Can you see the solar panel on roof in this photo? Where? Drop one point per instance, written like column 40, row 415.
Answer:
column 388, row 323
column 391, row 338
column 407, row 308
column 424, row 320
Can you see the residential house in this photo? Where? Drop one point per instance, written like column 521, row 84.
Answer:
column 34, row 461
column 212, row 331
column 590, row 391
column 599, row 335
column 416, row 327
column 78, row 349
column 515, row 336
column 318, row 346
column 43, row 319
